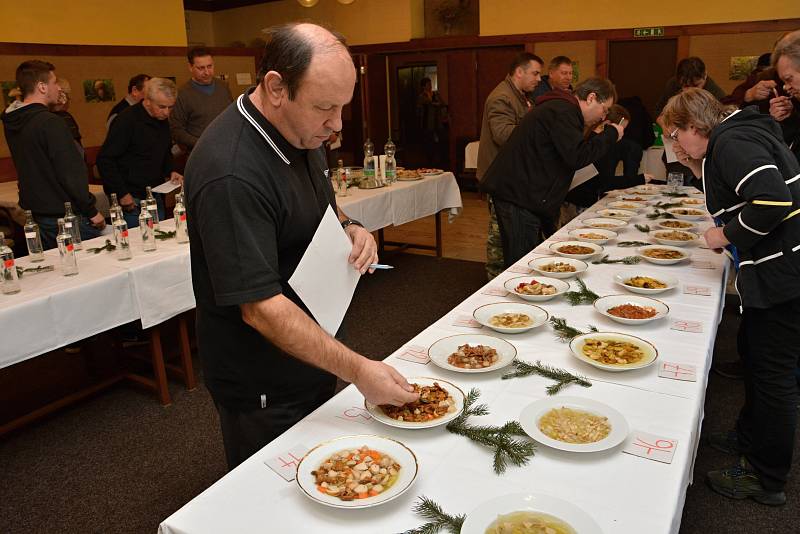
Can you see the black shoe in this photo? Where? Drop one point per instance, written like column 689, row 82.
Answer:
column 733, row 370
column 727, row 442
column 742, row 482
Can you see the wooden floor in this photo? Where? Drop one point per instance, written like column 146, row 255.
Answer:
column 463, row 239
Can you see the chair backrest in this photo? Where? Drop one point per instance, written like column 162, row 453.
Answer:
column 471, row 155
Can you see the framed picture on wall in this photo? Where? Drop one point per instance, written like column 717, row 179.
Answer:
column 98, row 90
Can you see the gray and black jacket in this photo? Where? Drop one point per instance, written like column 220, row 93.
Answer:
column 752, row 184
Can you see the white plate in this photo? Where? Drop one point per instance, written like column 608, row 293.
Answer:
column 316, row 456
column 532, row 413
column 604, row 303
column 692, row 225
column 657, row 235
column 699, row 216
column 479, row 519
column 671, row 281
column 512, row 283
column 446, row 346
column 659, row 261
column 628, row 206
column 609, row 235
column 624, row 215
column 536, row 265
column 650, row 352
column 690, row 202
column 483, row 314
column 601, row 222
column 597, row 249
column 456, row 394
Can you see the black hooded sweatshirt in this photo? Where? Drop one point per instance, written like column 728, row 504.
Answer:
column 50, row 170
column 752, row 184
column 534, row 168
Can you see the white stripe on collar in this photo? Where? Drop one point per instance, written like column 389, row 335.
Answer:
column 731, row 115
column 251, row 120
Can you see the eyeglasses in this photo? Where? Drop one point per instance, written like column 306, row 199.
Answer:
column 674, row 135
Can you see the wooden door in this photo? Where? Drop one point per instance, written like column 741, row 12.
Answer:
column 642, row 68
column 493, row 66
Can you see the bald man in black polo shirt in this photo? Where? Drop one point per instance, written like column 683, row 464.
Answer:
column 257, row 191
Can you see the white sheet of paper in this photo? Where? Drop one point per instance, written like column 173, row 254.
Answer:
column 166, row 187
column 582, row 175
column 323, row 279
column 669, row 152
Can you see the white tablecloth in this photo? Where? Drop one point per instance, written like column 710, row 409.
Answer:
column 624, row 493
column 401, row 202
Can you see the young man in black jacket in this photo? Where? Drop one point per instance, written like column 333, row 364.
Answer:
column 136, row 152
column 531, row 175
column 50, row 170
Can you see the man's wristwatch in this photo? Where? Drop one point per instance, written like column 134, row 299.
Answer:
column 348, row 222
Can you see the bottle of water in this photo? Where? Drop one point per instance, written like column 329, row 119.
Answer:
column 369, row 164
column 181, row 229
column 147, row 228
column 72, row 223
column 9, row 281
column 66, row 249
column 390, row 169
column 152, row 206
column 115, row 212
column 340, row 180
column 123, row 242
column 33, row 238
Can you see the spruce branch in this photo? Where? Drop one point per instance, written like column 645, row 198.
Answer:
column 627, row 260
column 438, row 520
column 658, row 214
column 34, row 270
column 582, row 296
column 667, row 205
column 507, row 448
column 565, row 332
column 630, row 244
column 164, row 235
column 563, row 378
column 675, row 194
column 109, row 246
column 642, row 227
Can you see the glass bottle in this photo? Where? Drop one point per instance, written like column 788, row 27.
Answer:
column 341, row 179
column 9, row 280
column 369, row 164
column 72, row 223
column 66, row 249
column 390, row 166
column 152, row 206
column 123, row 242
column 115, row 213
column 147, row 228
column 181, row 229
column 33, row 238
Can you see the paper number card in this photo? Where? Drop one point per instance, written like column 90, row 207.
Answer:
column 495, row 292
column 678, row 371
column 415, row 354
column 687, row 326
column 519, row 269
column 467, row 321
column 651, row 447
column 697, row 290
column 285, row 464
column 355, row 413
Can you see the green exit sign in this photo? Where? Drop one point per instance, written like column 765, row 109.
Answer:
column 648, row 32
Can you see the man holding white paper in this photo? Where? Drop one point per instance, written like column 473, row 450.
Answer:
column 532, row 173
column 257, row 192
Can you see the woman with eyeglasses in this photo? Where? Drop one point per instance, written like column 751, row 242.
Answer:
column 752, row 186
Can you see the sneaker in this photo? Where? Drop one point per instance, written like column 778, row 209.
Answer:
column 727, row 442
column 733, row 370
column 742, row 482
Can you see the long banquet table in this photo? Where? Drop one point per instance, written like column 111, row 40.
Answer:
column 622, row 492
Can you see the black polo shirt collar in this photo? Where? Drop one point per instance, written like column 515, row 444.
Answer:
column 271, row 135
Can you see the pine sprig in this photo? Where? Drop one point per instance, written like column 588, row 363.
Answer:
column 507, row 448
column 631, row 244
column 583, row 296
column 563, row 378
column 109, row 246
column 34, row 270
column 627, row 260
column 566, row 332
column 675, row 194
column 438, row 520
column 642, row 227
column 667, row 205
column 164, row 235
column 658, row 214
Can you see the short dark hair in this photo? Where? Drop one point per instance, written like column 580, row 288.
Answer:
column 289, row 53
column 522, row 59
column 689, row 71
column 137, row 82
column 601, row 87
column 197, row 51
column 558, row 61
column 29, row 73
column 616, row 113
